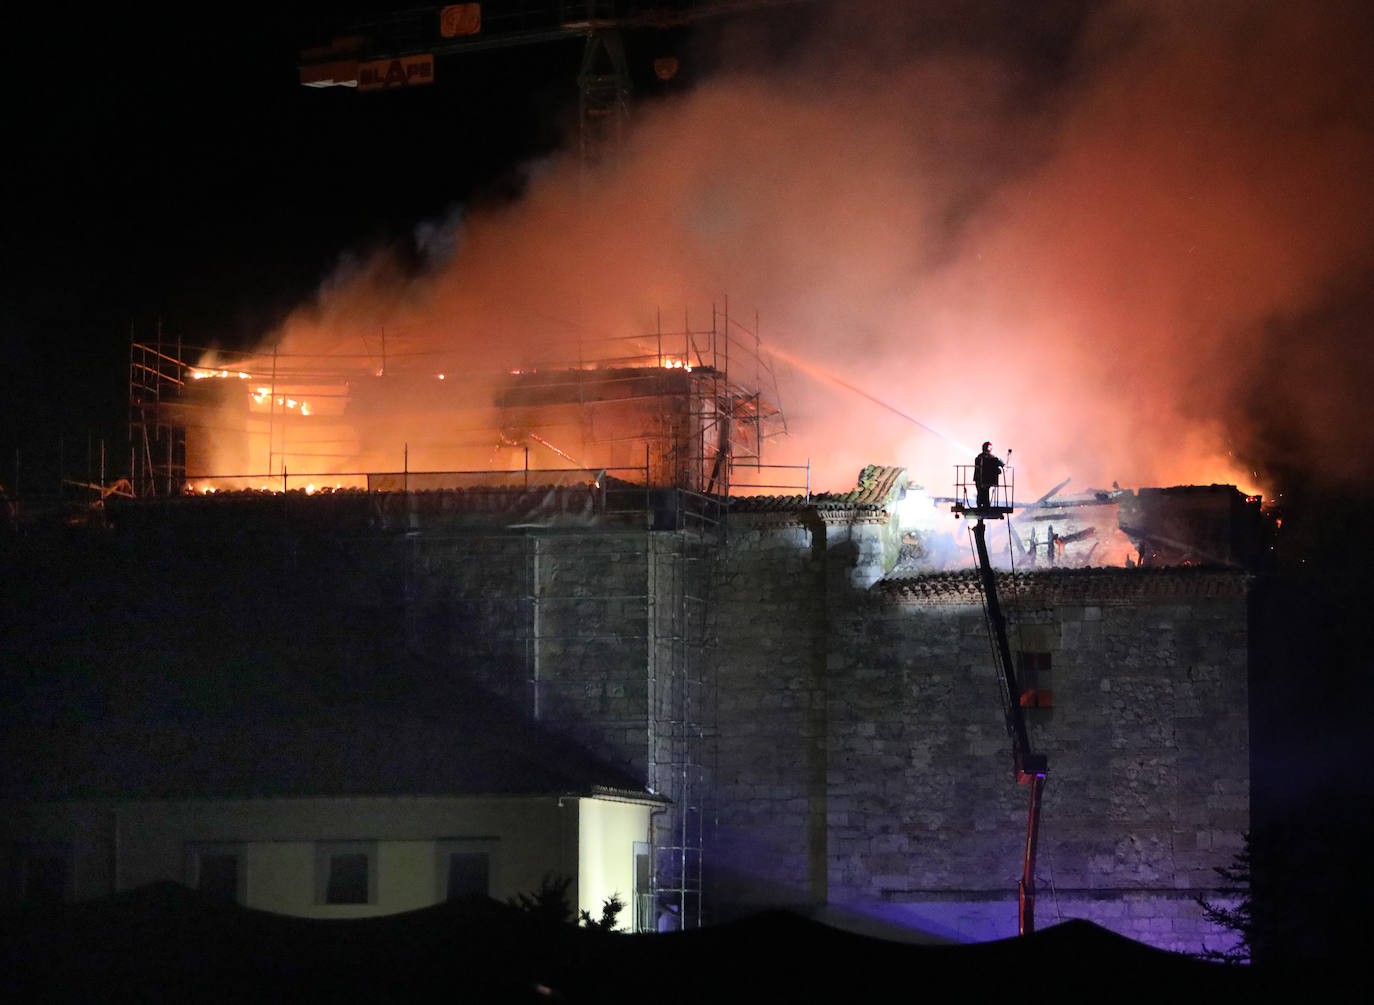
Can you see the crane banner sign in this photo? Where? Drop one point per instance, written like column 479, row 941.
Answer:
column 460, row 19
column 378, row 74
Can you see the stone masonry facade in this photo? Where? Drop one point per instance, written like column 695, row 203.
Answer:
column 863, row 762
column 843, row 720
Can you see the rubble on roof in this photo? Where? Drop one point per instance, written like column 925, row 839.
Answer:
column 878, row 487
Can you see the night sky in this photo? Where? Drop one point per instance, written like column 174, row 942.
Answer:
column 170, row 167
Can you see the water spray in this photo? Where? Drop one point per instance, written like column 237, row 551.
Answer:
column 820, row 374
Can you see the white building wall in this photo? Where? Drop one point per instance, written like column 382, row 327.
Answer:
column 121, row 845
column 607, row 832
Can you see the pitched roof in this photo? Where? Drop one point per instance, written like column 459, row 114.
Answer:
column 435, row 737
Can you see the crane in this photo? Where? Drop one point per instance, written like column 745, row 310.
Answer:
column 1029, row 767
column 398, row 49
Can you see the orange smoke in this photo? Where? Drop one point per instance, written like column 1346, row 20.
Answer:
column 1075, row 264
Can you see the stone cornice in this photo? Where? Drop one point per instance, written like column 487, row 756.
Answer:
column 807, row 516
column 853, row 514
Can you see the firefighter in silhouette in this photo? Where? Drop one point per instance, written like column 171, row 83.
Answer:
column 987, row 472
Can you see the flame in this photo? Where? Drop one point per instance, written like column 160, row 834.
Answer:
column 561, row 453
column 261, row 395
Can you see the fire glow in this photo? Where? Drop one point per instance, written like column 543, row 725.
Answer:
column 263, row 395
column 1083, row 273
column 583, row 408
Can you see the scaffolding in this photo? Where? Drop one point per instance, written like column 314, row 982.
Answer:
column 157, row 435
column 650, row 429
column 683, row 726
column 698, row 400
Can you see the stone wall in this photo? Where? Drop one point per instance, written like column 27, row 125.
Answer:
column 557, row 622
column 768, row 625
column 864, row 761
column 853, row 743
column 853, row 737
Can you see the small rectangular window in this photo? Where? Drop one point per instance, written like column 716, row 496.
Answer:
column 217, row 870
column 346, row 873
column 1033, row 679
column 46, row 876
column 347, row 878
column 219, row 876
column 466, row 867
column 468, row 874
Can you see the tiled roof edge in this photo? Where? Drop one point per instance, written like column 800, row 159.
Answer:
column 1094, row 585
column 873, row 492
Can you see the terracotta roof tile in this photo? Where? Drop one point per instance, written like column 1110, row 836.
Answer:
column 1057, row 586
column 876, row 487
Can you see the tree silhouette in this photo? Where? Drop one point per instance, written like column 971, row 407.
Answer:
column 610, row 913
column 550, row 903
column 1239, row 919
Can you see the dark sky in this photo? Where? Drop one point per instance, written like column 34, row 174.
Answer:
column 170, row 166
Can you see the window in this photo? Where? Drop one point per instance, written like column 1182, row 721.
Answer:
column 347, row 883
column 465, row 867
column 469, row 874
column 1033, row 678
column 346, row 872
column 217, row 870
column 45, row 875
column 36, row 875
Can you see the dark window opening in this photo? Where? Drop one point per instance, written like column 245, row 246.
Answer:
column 1033, row 678
column 348, row 878
column 217, row 875
column 469, row 874
column 46, row 878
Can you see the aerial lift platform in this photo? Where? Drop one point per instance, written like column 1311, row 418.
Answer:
column 1029, row 767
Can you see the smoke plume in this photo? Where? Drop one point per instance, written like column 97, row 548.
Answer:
column 1116, row 238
